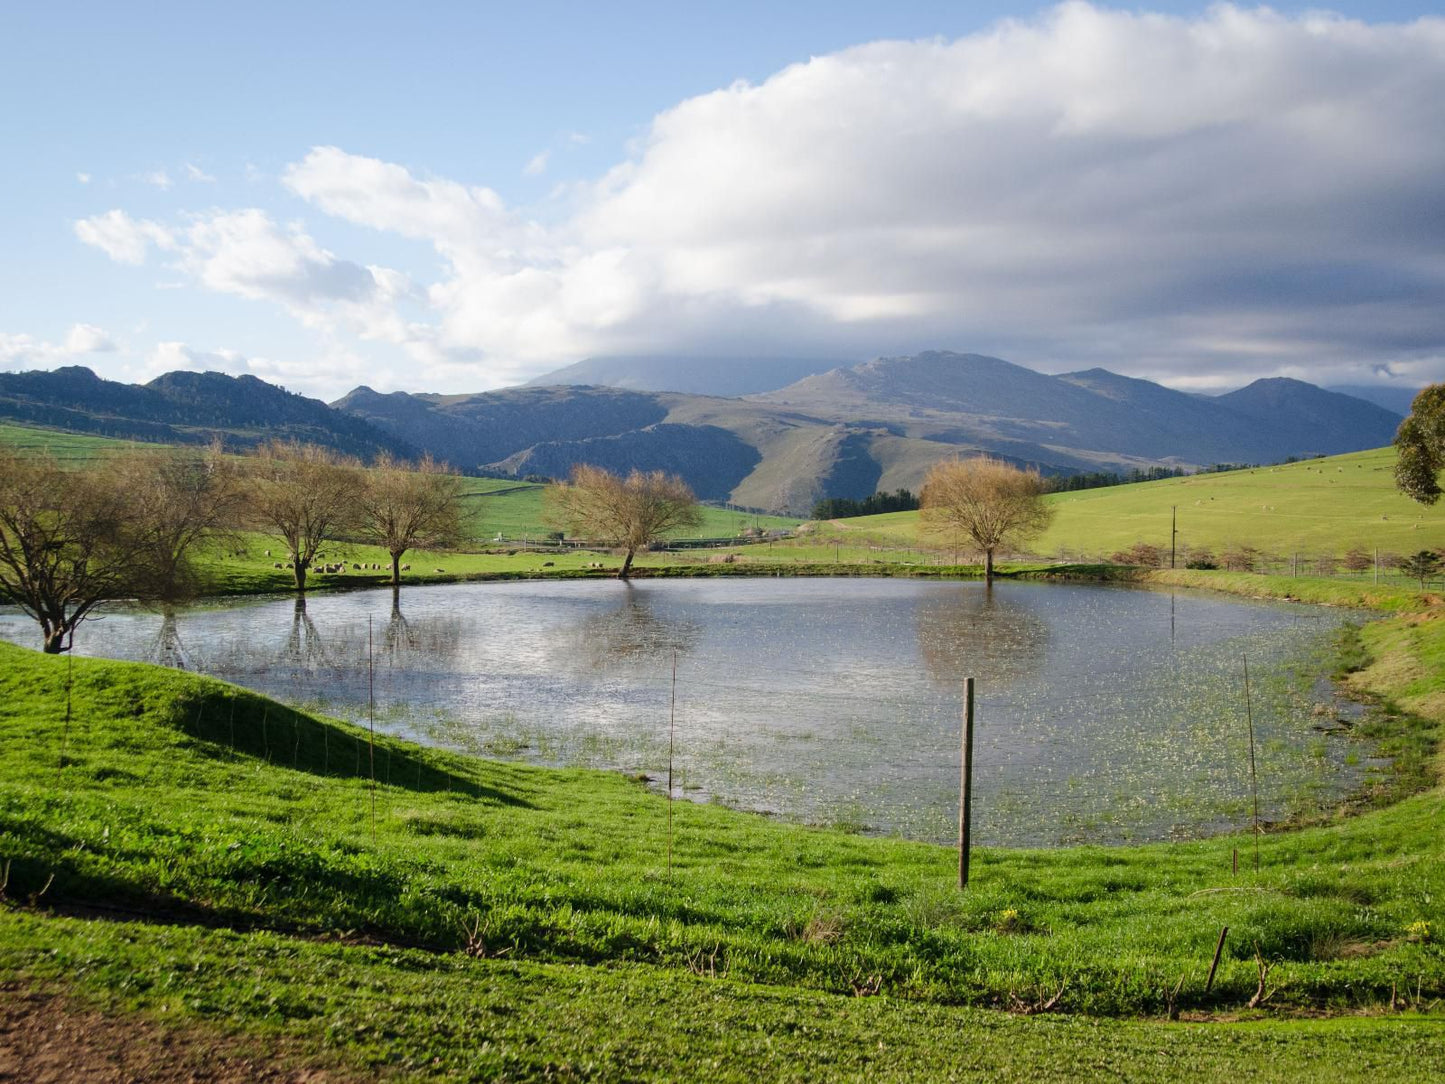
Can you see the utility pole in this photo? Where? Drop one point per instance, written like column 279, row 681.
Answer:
column 1173, row 532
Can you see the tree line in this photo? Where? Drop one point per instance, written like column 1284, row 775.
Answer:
column 132, row 526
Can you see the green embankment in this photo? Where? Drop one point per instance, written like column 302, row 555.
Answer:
column 513, row 921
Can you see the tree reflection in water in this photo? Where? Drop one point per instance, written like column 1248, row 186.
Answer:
column 983, row 633
column 406, row 642
column 632, row 633
column 167, row 649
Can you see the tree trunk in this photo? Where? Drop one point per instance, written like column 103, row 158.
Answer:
column 299, row 570
column 988, row 566
column 396, row 568
column 626, row 570
column 55, row 641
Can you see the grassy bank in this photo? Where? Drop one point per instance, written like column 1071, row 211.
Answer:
column 228, row 843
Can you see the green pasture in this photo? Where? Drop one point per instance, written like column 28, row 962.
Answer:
column 1321, row 506
column 66, row 447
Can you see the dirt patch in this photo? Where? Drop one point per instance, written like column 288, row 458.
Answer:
column 45, row 1039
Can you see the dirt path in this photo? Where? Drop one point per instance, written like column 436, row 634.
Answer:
column 46, row 1040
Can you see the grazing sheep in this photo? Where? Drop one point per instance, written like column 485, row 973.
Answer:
column 278, row 564
column 406, row 568
column 438, row 570
column 549, row 564
column 268, row 553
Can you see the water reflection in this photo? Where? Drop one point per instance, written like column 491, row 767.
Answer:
column 168, row 648
column 968, row 632
column 631, row 633
column 432, row 639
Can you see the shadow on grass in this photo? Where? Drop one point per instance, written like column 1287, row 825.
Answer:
column 248, row 724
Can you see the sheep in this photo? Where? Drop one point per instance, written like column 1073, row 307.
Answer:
column 406, row 568
column 277, row 565
column 548, row 564
column 268, row 553
column 438, row 570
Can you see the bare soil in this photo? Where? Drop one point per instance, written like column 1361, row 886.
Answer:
column 46, row 1039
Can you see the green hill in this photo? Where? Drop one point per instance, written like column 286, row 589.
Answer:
column 1320, row 506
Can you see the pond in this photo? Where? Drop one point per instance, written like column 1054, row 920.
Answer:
column 1104, row 713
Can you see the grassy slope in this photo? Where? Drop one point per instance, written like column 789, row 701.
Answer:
column 1322, row 506
column 550, row 873
column 65, row 447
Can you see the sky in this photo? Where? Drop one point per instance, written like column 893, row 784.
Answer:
column 457, row 197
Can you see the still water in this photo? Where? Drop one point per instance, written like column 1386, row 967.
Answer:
column 1104, row 714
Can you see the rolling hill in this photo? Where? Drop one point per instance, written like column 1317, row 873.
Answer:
column 1315, row 507
column 185, row 408
column 846, row 432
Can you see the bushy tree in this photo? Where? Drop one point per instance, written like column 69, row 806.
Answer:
column 1143, row 554
column 1357, row 560
column 629, row 513
column 1420, row 442
column 1421, row 565
column 990, row 502
column 403, row 505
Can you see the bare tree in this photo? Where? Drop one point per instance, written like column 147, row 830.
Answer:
column 302, row 494
column 629, row 513
column 120, row 528
column 176, row 501
column 987, row 500
column 402, row 506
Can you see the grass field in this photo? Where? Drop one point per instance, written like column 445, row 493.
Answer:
column 66, row 447
column 1315, row 507
column 521, row 922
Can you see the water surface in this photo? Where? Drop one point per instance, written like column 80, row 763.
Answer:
column 1104, row 713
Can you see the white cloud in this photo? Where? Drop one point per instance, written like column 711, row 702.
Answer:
column 537, row 164
column 159, row 178
column 1213, row 197
column 83, row 178
column 88, row 339
column 122, row 238
column 26, row 351
column 197, row 174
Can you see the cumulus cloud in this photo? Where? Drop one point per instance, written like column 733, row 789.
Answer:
column 199, row 175
column 1200, row 199
column 25, row 351
column 122, row 238
column 537, row 164
column 250, row 255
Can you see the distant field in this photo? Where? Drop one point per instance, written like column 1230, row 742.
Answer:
column 63, row 446
column 1320, row 506
column 495, row 505
column 518, row 509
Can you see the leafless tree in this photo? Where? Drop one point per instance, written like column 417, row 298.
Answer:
column 123, row 527
column 403, row 505
column 302, row 494
column 629, row 513
column 987, row 500
column 178, row 500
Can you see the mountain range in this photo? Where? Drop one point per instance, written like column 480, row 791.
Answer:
column 842, row 432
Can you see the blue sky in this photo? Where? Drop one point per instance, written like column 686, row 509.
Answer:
column 509, row 189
